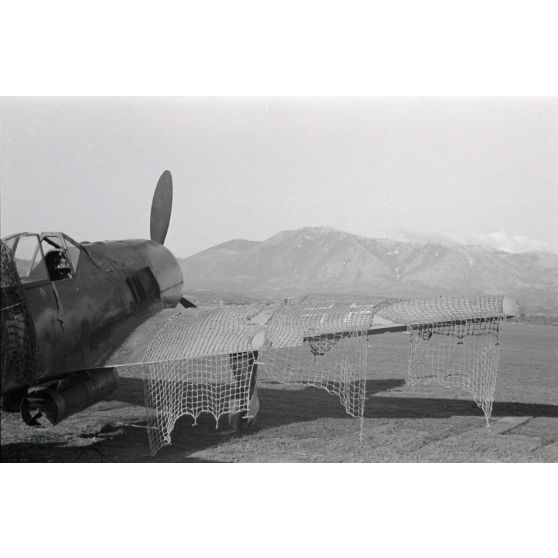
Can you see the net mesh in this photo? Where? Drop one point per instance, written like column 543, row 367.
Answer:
column 19, row 346
column 454, row 343
column 201, row 361
column 458, row 355
column 324, row 346
column 441, row 309
column 206, row 360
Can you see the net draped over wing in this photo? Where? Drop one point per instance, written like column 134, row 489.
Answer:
column 205, row 359
column 442, row 309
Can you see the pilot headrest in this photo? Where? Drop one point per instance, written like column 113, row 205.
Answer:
column 54, row 256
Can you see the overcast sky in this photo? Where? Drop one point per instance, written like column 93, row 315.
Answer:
column 471, row 169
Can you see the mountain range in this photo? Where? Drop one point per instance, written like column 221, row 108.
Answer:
column 326, row 260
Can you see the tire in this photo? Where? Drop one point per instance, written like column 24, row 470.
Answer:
column 235, row 422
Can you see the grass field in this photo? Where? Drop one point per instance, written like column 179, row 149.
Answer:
column 298, row 424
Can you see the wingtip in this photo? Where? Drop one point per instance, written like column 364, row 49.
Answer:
column 510, row 307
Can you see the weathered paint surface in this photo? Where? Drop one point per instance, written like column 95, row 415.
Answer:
column 81, row 320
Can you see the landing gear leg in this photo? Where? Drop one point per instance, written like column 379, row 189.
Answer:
column 244, row 364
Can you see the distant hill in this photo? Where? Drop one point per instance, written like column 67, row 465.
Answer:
column 326, row 260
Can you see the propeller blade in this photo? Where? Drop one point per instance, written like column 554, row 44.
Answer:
column 161, row 208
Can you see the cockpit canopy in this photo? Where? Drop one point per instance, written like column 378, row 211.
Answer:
column 46, row 256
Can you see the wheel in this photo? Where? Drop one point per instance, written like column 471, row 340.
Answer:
column 235, row 422
column 238, row 420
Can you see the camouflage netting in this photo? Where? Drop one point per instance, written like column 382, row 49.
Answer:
column 455, row 345
column 324, row 346
column 19, row 347
column 200, row 361
column 205, row 360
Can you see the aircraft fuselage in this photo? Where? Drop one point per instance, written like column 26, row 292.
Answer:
column 92, row 292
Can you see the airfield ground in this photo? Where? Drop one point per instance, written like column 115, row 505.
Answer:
column 296, row 424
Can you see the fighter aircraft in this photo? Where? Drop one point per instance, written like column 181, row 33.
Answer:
column 72, row 312
column 67, row 306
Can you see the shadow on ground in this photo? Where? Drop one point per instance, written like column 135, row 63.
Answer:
column 127, row 441
column 302, row 405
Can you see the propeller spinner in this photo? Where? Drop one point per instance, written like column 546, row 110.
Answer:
column 161, row 208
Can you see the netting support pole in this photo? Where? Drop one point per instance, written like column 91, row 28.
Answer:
column 362, row 429
column 487, row 417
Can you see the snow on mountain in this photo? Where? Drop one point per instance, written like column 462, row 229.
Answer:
column 323, row 259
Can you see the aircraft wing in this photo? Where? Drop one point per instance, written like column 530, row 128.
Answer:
column 132, row 343
column 201, row 359
column 202, row 332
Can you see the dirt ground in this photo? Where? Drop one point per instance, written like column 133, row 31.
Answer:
column 301, row 424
